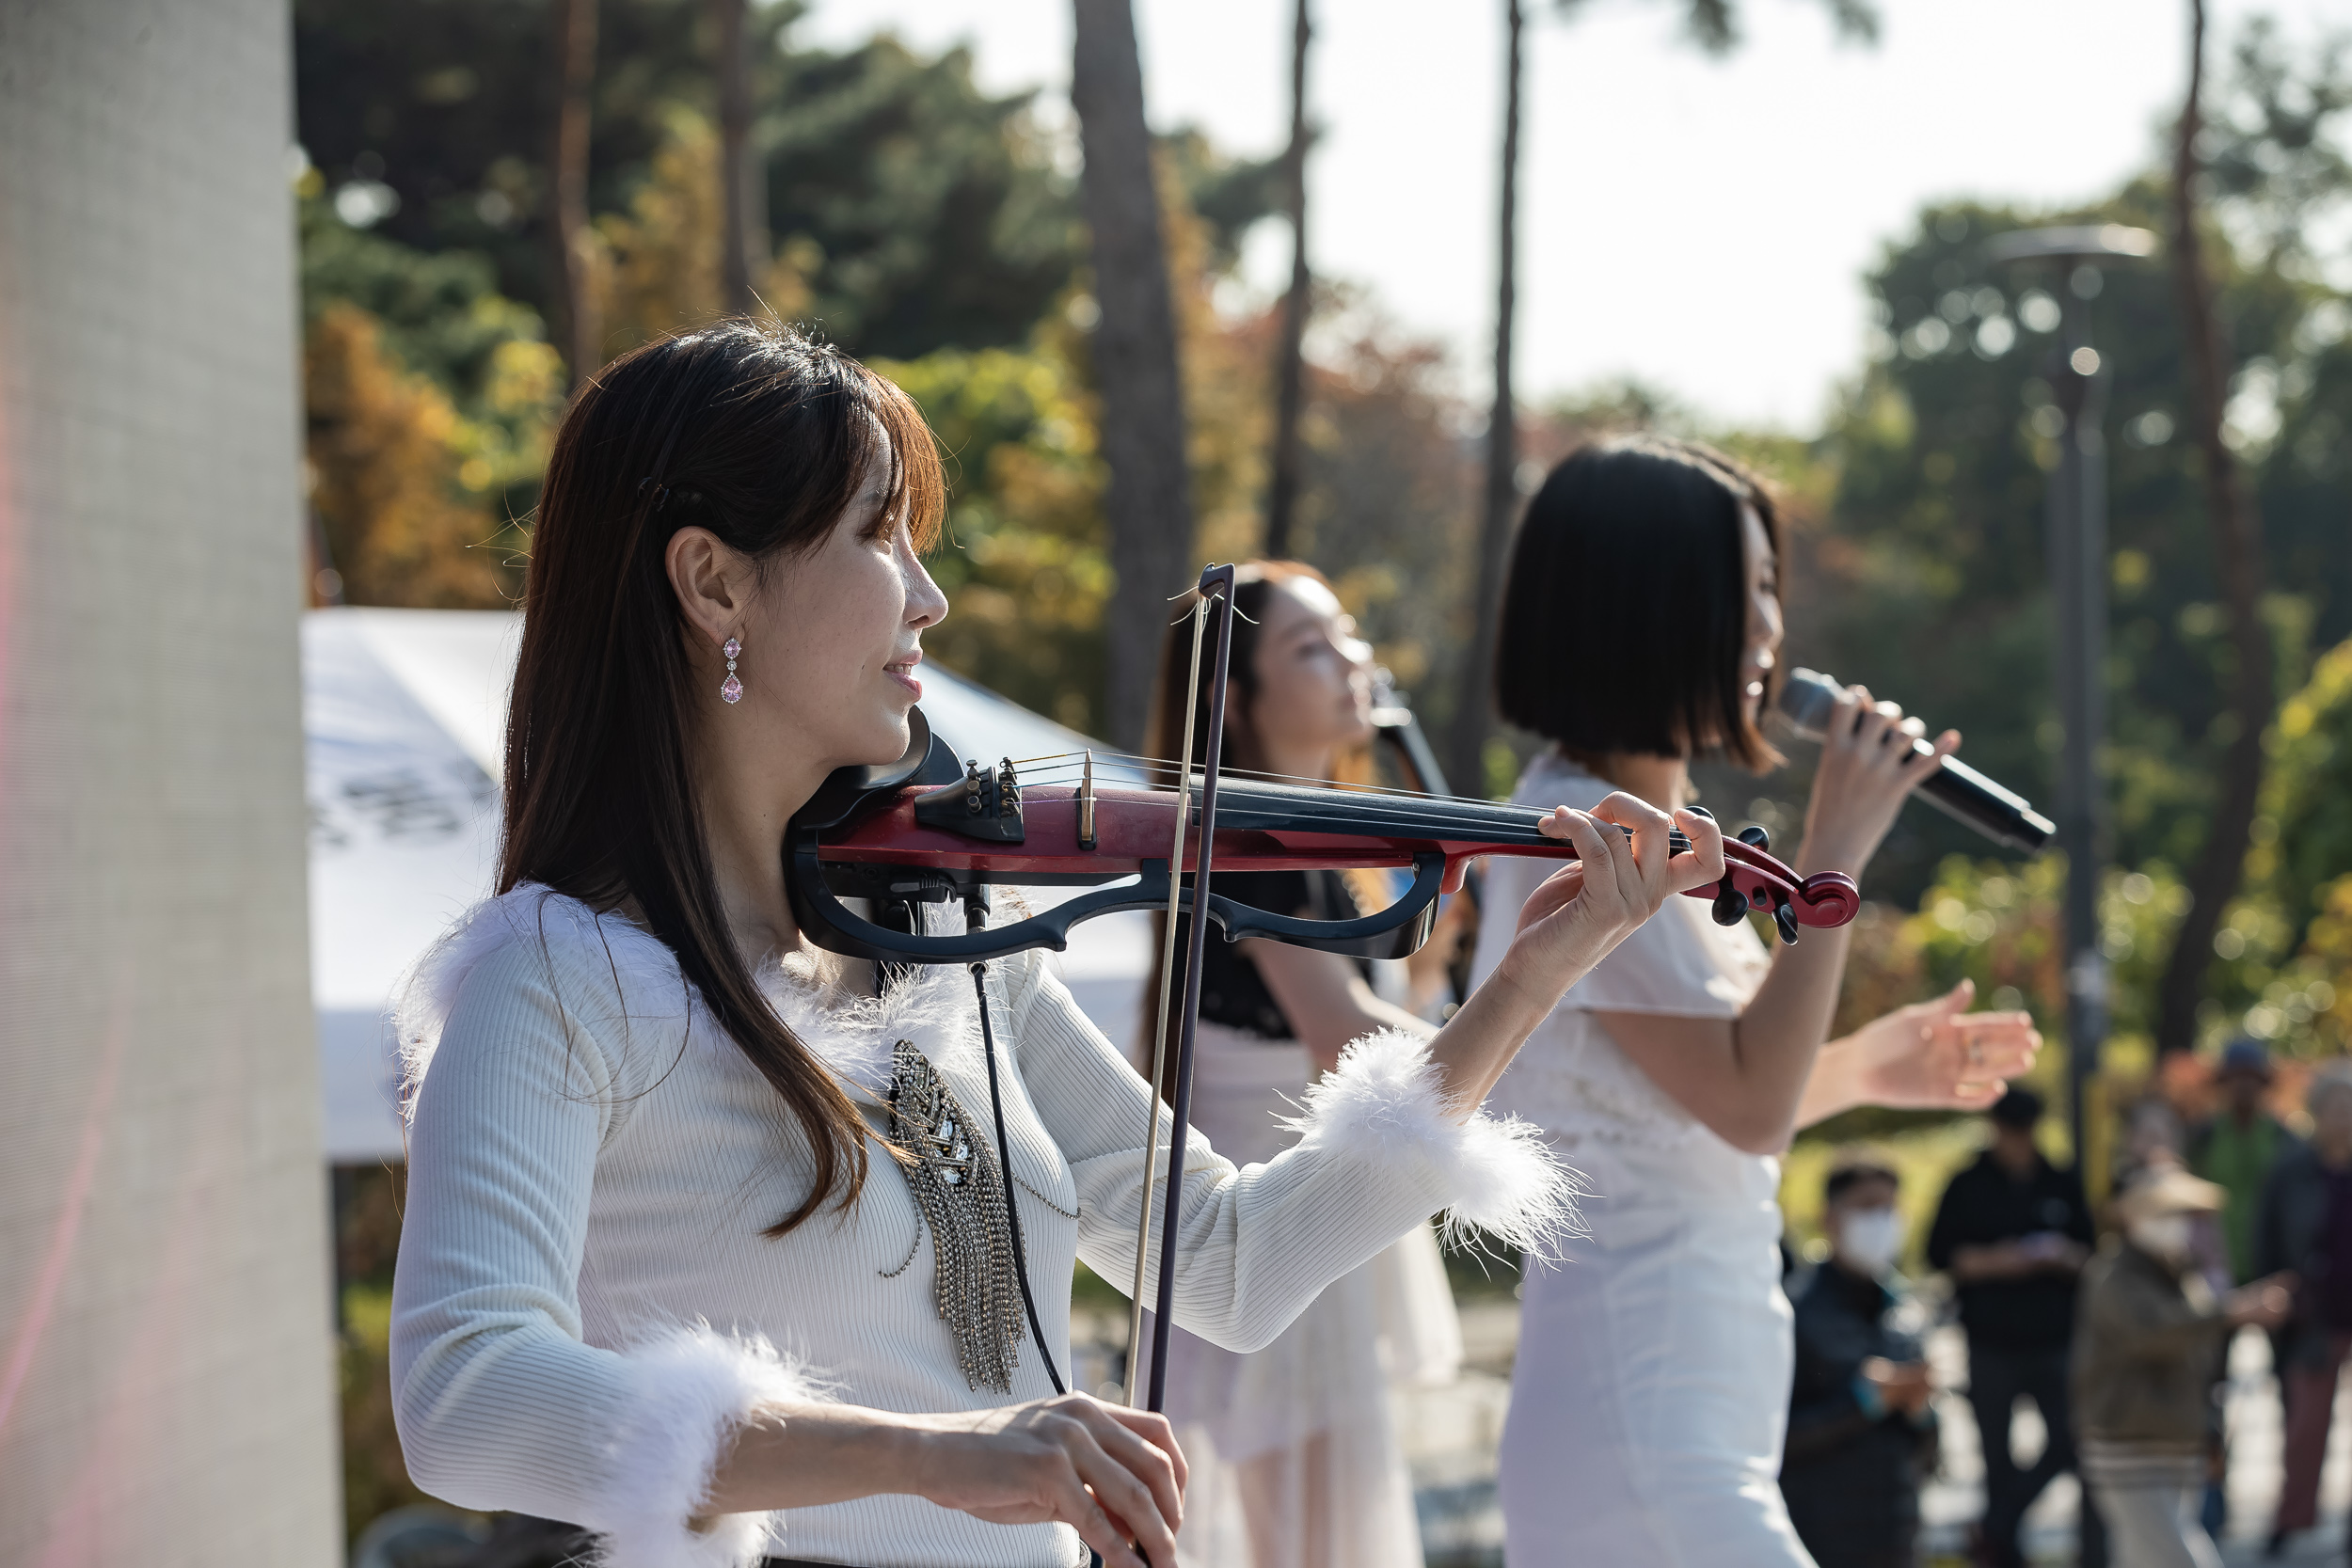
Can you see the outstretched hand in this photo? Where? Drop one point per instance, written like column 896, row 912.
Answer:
column 1935, row 1056
column 1584, row 910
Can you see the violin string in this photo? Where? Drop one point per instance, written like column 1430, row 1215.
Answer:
column 1168, row 765
column 1064, row 760
column 1465, row 816
column 1475, row 817
column 1467, row 809
column 1058, row 773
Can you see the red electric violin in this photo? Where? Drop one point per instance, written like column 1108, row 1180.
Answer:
column 927, row 830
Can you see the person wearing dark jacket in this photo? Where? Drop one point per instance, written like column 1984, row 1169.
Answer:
column 2145, row 1338
column 2304, row 1226
column 1860, row 1430
column 2013, row 1230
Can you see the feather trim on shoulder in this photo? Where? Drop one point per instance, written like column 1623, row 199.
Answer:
column 853, row 1035
column 931, row 1005
column 642, row 968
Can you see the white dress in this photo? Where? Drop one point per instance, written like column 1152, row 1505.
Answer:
column 1295, row 1459
column 1651, row 1394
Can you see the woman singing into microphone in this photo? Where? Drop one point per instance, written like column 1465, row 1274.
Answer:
column 701, row 1251
column 1650, row 1391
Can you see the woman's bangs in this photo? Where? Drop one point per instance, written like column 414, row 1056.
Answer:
column 919, row 487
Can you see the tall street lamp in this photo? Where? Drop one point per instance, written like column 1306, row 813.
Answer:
column 2077, row 543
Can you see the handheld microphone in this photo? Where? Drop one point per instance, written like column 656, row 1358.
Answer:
column 1956, row 789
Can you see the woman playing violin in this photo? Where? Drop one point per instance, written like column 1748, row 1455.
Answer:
column 702, row 1251
column 1651, row 1385
column 1294, row 1460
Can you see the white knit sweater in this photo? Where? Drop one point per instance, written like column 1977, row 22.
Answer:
column 585, row 1306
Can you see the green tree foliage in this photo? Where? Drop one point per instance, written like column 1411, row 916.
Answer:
column 1998, row 924
column 917, row 220
column 2304, row 837
column 1927, row 578
column 429, row 399
column 1384, row 503
column 922, row 212
column 1024, row 564
column 447, row 106
column 1228, row 196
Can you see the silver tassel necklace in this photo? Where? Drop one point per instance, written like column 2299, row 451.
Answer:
column 959, row 1188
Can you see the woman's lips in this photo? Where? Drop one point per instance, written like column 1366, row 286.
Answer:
column 902, row 671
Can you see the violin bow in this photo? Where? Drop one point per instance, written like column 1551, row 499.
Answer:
column 1215, row 592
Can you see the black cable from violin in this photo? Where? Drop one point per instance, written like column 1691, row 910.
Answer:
column 975, row 917
column 906, row 915
column 1012, row 1197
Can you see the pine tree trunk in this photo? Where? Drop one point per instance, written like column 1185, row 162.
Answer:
column 575, row 329
column 1135, row 363
column 2237, row 543
column 744, row 244
column 1291, row 372
column 1473, row 706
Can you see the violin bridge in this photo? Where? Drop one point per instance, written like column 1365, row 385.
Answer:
column 1086, row 804
column 982, row 805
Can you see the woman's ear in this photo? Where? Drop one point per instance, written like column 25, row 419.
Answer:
column 712, row 581
column 1236, row 705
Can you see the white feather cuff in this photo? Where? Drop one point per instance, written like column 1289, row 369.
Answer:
column 1502, row 1176
column 691, row 1388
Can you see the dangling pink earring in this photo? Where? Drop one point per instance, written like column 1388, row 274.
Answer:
column 732, row 691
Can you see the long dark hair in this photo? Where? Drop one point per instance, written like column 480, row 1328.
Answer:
column 1625, row 615
column 764, row 437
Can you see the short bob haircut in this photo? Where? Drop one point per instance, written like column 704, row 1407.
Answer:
column 1625, row 615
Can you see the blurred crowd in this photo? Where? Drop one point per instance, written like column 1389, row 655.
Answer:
column 2114, row 1319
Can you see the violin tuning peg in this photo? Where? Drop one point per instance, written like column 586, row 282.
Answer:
column 1785, row 918
column 1731, row 904
column 1755, row 837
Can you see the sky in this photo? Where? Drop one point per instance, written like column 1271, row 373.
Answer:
column 1702, row 225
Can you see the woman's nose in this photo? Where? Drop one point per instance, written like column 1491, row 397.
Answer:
column 926, row 605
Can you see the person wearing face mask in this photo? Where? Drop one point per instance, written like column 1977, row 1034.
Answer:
column 1861, row 1432
column 1640, row 628
column 1294, row 1460
column 2146, row 1330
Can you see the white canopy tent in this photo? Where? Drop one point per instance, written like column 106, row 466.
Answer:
column 404, row 718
